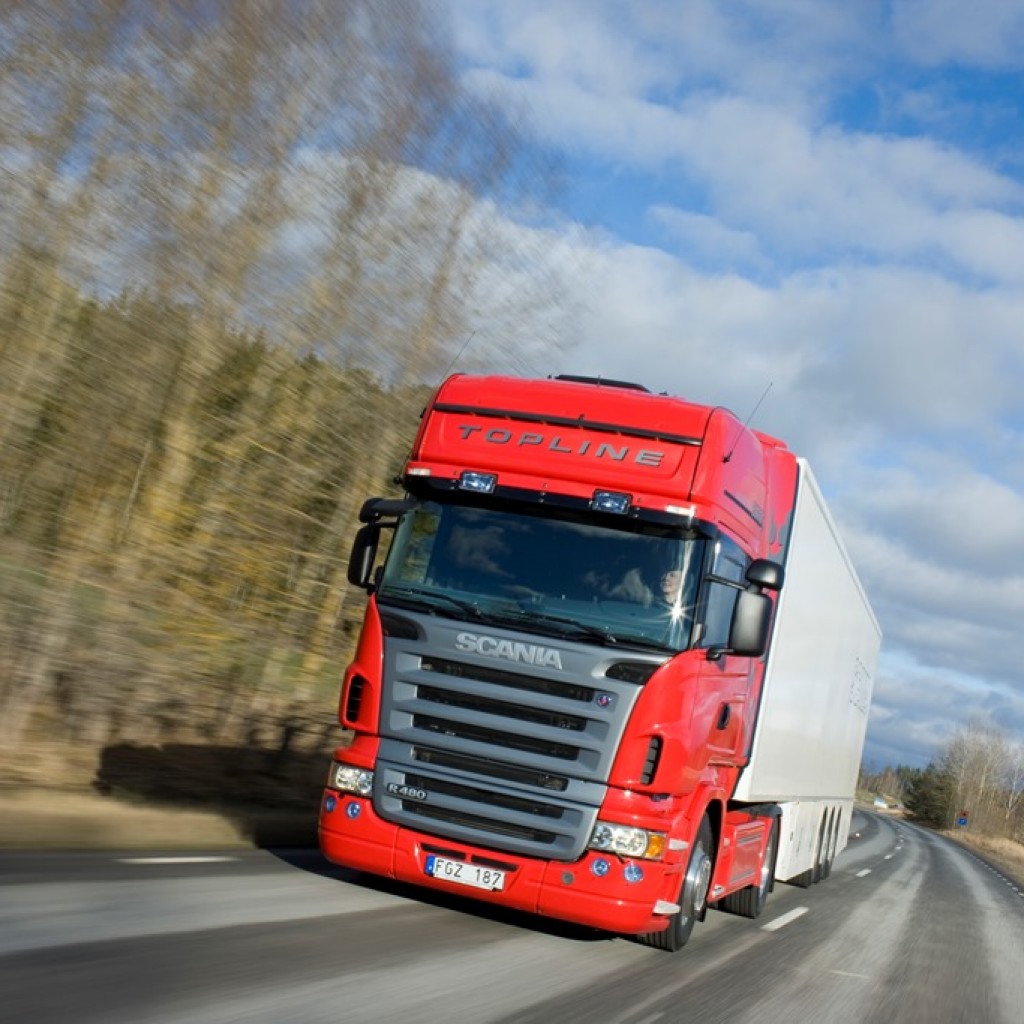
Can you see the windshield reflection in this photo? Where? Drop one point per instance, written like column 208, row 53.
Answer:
column 566, row 577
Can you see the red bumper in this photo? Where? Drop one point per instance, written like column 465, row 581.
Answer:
column 592, row 891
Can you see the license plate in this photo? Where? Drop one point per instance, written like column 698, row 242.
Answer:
column 461, row 873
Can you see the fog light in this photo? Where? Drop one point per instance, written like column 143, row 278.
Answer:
column 633, row 873
column 600, row 867
column 330, row 803
column 353, row 810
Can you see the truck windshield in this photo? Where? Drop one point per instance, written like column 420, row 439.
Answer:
column 547, row 573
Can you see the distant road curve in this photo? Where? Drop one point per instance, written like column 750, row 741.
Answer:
column 909, row 927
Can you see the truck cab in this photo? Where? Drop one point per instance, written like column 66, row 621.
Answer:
column 560, row 673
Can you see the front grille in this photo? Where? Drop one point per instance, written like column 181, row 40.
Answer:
column 505, row 755
column 512, row 803
column 484, row 827
column 494, row 737
column 502, row 708
column 491, row 769
column 513, row 680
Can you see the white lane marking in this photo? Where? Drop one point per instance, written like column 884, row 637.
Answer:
column 996, row 872
column 781, row 922
column 849, row 974
column 174, row 860
column 866, row 871
column 888, row 856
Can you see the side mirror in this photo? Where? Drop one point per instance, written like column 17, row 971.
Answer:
column 765, row 573
column 380, row 508
column 364, row 551
column 367, row 538
column 748, row 633
column 752, row 615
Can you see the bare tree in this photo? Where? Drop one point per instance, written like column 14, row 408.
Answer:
column 985, row 775
column 239, row 240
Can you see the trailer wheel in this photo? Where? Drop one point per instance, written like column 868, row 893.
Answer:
column 822, row 854
column 749, row 902
column 693, row 896
column 828, row 854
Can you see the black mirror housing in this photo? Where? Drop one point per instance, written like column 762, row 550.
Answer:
column 364, row 551
column 762, row 572
column 381, row 508
column 751, row 618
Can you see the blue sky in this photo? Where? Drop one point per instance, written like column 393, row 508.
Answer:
column 827, row 196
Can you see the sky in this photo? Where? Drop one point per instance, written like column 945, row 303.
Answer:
column 823, row 199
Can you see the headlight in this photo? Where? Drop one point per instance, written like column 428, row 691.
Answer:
column 347, row 779
column 627, row 841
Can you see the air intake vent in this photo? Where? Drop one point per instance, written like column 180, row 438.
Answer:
column 632, row 671
column 651, row 763
column 399, row 628
column 495, row 737
column 490, row 768
column 354, row 698
column 513, row 680
column 502, row 709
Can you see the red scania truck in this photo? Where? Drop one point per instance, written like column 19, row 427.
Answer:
column 615, row 667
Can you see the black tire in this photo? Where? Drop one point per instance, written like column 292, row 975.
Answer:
column 749, row 902
column 693, row 895
column 833, row 841
column 830, row 842
column 820, row 854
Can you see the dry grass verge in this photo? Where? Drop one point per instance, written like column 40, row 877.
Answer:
column 46, row 819
column 1005, row 854
column 169, row 796
column 37, row 819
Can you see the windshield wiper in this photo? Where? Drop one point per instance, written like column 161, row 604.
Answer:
column 548, row 624
column 420, row 597
column 584, row 629
column 646, row 644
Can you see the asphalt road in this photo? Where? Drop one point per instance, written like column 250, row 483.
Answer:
column 908, row 928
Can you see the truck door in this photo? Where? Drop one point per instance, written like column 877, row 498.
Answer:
column 721, row 703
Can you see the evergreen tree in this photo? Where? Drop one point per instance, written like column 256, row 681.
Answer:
column 929, row 796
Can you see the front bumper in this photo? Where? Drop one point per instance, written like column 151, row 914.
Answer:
column 597, row 890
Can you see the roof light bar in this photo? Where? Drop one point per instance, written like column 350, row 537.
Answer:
column 611, row 501
column 480, row 483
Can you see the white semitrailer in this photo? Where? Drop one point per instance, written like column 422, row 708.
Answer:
column 814, row 707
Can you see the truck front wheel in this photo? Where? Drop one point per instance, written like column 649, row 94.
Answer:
column 693, row 896
column 749, row 902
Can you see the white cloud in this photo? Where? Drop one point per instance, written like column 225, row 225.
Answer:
column 708, row 237
column 916, row 710
column 865, row 355
column 984, row 33
column 801, row 189
column 950, row 513
column 650, row 48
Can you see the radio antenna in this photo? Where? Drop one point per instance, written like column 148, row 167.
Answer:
column 746, row 422
column 455, row 358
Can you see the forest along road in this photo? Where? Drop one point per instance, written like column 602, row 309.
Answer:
column 909, row 927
